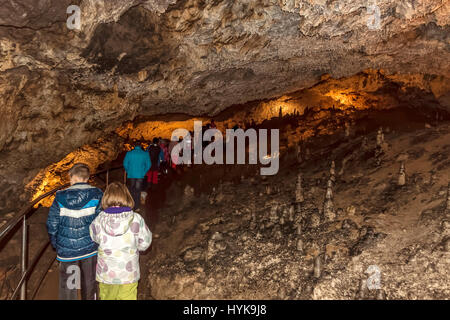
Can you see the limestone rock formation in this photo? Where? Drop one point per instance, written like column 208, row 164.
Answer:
column 380, row 147
column 401, row 175
column 328, row 206
column 299, row 197
column 64, row 88
column 333, row 172
column 299, row 257
column 317, row 267
column 188, row 196
column 380, row 137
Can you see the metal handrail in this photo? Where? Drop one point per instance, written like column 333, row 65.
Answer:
column 22, row 217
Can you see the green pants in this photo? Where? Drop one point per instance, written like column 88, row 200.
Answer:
column 118, row 291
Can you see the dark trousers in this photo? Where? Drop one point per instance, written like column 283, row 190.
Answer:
column 78, row 275
column 135, row 186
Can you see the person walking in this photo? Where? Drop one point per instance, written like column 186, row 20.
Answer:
column 165, row 163
column 69, row 218
column 156, row 157
column 136, row 163
column 120, row 233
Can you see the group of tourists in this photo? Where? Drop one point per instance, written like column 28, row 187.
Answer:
column 143, row 166
column 97, row 237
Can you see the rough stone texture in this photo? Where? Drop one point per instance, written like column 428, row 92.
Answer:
column 61, row 89
column 213, row 253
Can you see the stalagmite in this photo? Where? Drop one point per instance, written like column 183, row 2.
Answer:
column 448, row 199
column 210, row 251
column 317, row 267
column 307, row 154
column 328, row 206
column 362, row 292
column 299, row 229
column 274, row 213
column 333, row 171
column 347, row 129
column 314, row 220
column 188, row 195
column 402, row 175
column 379, row 147
column 291, row 213
column 364, row 144
column 298, row 152
column 212, row 196
column 380, row 137
column 299, row 198
column 278, row 234
column 253, row 222
column 300, row 245
column 381, row 295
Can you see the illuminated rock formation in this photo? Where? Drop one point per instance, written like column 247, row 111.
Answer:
column 62, row 89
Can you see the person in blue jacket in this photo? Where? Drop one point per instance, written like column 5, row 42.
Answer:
column 136, row 163
column 69, row 218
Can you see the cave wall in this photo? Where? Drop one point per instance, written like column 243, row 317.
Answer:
column 62, row 89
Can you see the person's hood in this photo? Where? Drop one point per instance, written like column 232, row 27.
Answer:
column 116, row 221
column 78, row 196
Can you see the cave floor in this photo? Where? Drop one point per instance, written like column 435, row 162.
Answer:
column 207, row 248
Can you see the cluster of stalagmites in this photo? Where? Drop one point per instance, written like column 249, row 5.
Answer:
column 292, row 221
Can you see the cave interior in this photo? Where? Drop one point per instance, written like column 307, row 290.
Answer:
column 363, row 115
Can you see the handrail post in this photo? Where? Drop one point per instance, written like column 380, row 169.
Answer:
column 23, row 289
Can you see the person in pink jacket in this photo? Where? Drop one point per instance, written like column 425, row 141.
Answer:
column 120, row 234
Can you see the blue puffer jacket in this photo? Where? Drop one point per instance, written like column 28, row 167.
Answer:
column 137, row 163
column 70, row 216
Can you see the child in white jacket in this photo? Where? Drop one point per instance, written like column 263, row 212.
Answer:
column 120, row 234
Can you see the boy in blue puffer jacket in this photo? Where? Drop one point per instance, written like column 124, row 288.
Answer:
column 69, row 218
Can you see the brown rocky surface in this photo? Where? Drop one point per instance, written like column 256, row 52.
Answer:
column 62, row 89
column 234, row 240
column 228, row 232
